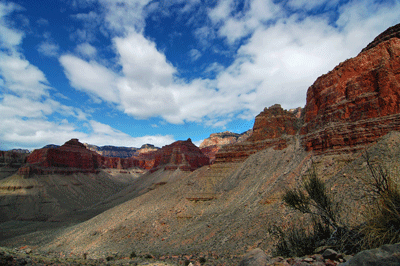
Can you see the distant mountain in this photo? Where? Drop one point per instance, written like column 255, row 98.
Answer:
column 51, row 146
column 211, row 145
column 121, row 152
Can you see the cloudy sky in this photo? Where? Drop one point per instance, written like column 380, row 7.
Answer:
column 130, row 72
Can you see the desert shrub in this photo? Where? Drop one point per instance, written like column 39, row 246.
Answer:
column 202, row 260
column 382, row 224
column 324, row 228
column 187, row 262
column 299, row 240
column 133, row 255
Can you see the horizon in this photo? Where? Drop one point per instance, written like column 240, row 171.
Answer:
column 133, row 72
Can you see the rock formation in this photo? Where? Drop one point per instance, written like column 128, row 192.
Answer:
column 271, row 127
column 180, row 154
column 358, row 101
column 211, row 145
column 120, row 152
column 74, row 157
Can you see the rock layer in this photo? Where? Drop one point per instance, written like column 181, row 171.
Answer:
column 180, row 154
column 211, row 145
column 271, row 129
column 73, row 157
column 357, row 102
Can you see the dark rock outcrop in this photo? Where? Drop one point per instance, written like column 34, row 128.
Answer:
column 387, row 255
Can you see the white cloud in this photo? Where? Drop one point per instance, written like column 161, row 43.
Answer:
column 21, row 77
column 142, row 62
column 236, row 26
column 104, row 134
column 194, row 54
column 214, row 68
column 90, row 77
column 124, row 15
column 8, row 37
column 49, row 49
column 221, row 11
column 86, row 50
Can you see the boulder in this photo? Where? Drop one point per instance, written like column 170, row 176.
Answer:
column 387, row 255
column 255, row 257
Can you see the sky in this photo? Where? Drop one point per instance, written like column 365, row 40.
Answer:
column 131, row 72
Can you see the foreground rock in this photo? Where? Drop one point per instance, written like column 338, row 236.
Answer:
column 256, row 257
column 387, row 255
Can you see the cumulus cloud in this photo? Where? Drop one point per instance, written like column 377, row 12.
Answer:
column 236, row 26
column 86, row 50
column 103, row 133
column 21, row 77
column 91, row 77
column 276, row 64
column 49, row 48
column 26, row 103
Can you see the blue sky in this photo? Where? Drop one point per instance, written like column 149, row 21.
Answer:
column 131, row 72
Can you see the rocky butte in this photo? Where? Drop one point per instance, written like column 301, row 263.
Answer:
column 180, row 154
column 211, row 145
column 271, row 129
column 73, row 157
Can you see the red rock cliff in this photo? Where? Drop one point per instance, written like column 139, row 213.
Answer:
column 72, row 157
column 211, row 145
column 358, row 101
column 271, row 127
column 180, row 154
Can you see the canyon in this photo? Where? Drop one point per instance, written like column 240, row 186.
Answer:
column 220, row 199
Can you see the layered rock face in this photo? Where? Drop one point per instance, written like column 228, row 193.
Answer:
column 271, row 128
column 358, row 101
column 72, row 157
column 180, row 154
column 214, row 143
column 120, row 152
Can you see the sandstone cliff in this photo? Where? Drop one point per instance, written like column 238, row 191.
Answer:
column 358, row 101
column 271, row 128
column 180, row 154
column 211, row 145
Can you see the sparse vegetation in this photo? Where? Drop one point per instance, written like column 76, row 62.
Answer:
column 383, row 219
column 133, row 255
column 381, row 226
column 324, row 228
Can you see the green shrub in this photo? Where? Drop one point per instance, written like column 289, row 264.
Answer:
column 133, row 255
column 314, row 200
